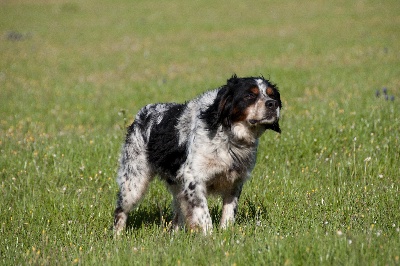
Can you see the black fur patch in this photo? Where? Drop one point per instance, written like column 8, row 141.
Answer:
column 163, row 147
column 192, row 185
column 215, row 115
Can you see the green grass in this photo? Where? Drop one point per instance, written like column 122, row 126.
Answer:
column 74, row 73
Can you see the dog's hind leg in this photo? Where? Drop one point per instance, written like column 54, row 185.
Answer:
column 134, row 176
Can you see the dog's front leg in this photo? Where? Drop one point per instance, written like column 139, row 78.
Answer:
column 230, row 204
column 194, row 207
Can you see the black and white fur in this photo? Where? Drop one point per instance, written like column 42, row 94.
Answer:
column 205, row 146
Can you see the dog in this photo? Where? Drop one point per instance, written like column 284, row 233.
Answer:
column 207, row 145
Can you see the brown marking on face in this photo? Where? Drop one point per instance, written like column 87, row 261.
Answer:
column 270, row 91
column 255, row 90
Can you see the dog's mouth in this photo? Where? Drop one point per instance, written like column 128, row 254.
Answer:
column 264, row 121
column 269, row 118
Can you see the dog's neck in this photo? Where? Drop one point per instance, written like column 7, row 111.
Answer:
column 242, row 134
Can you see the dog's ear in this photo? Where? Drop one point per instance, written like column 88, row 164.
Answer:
column 225, row 106
column 218, row 112
column 275, row 127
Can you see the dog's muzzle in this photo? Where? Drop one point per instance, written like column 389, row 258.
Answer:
column 272, row 105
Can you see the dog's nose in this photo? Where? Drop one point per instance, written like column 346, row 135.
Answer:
column 271, row 104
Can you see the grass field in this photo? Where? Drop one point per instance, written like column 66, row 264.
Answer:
column 74, row 73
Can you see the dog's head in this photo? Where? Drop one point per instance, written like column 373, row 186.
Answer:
column 254, row 102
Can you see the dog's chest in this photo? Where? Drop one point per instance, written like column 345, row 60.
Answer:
column 222, row 164
column 224, row 182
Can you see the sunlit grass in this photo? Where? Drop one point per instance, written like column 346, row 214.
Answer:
column 73, row 74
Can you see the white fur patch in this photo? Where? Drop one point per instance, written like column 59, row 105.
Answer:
column 262, row 86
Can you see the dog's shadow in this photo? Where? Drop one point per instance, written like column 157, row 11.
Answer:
column 149, row 215
column 161, row 215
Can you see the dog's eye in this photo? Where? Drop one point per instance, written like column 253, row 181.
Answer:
column 250, row 96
